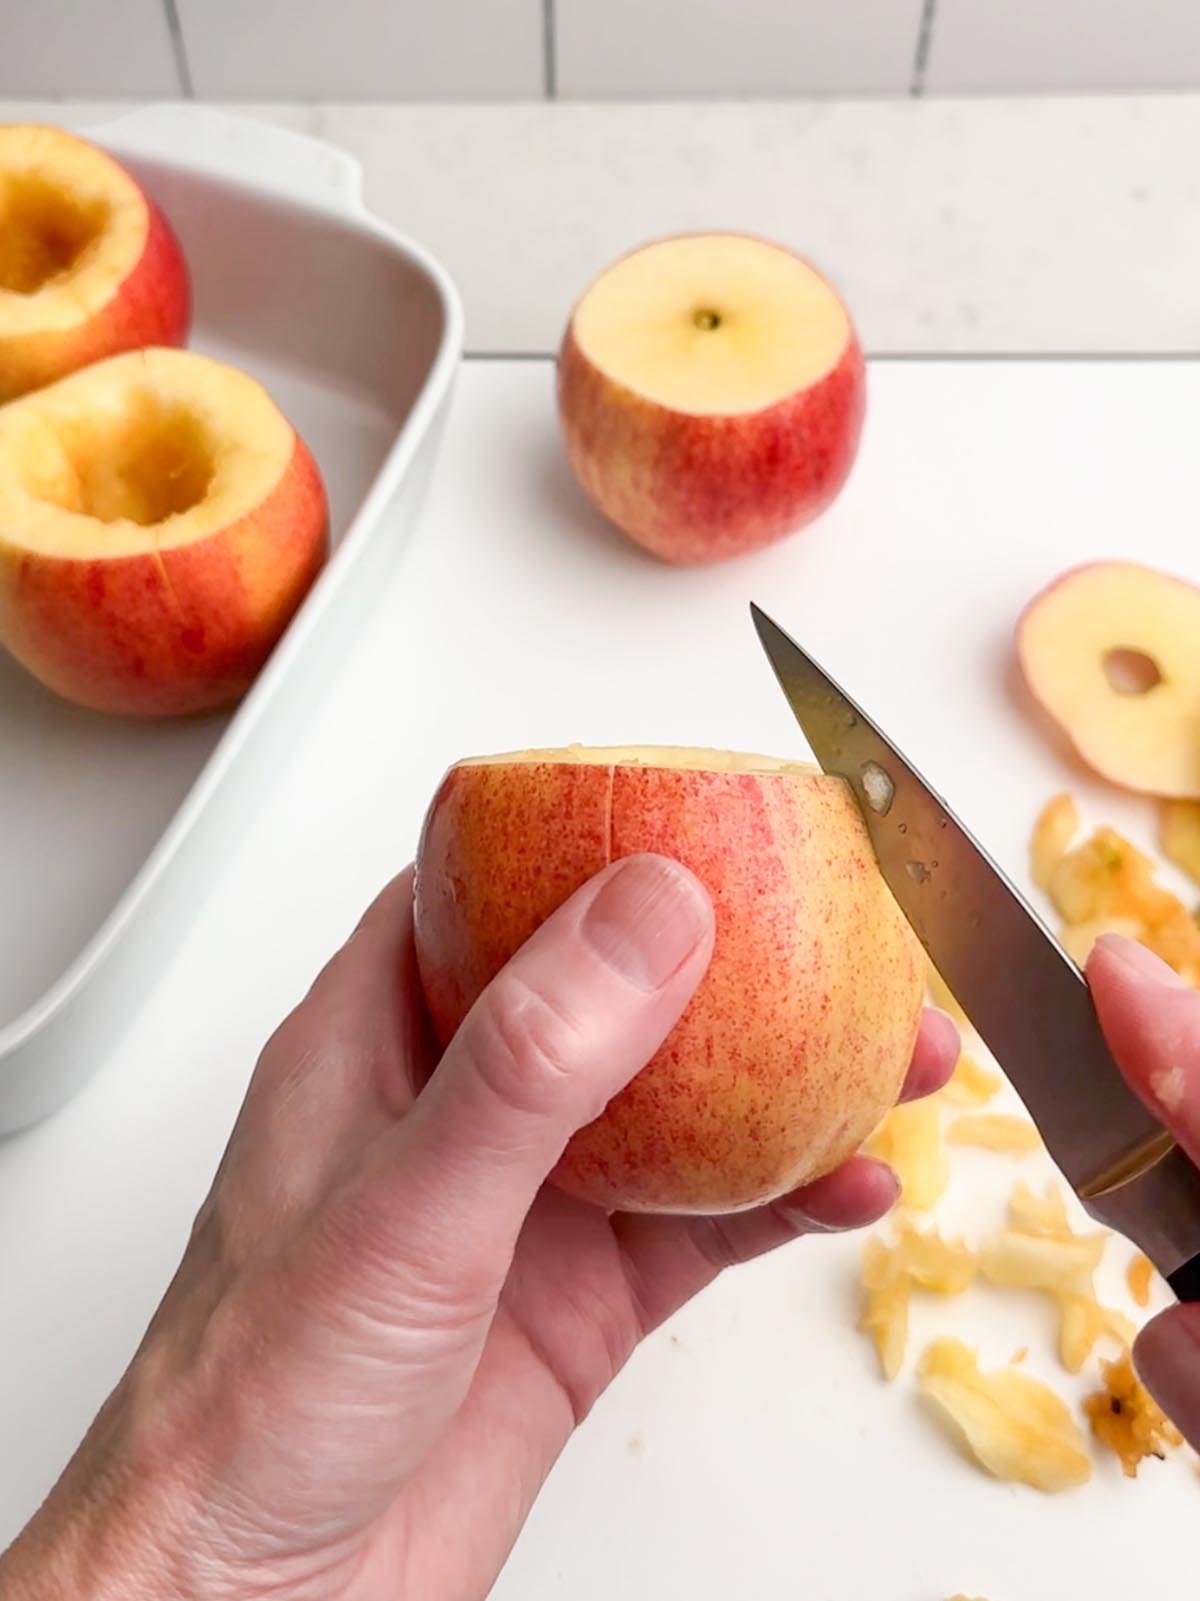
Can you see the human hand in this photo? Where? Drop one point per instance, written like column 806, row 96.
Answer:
column 384, row 1329
column 1151, row 1020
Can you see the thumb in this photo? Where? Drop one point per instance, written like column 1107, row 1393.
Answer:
column 580, row 1008
column 577, row 1012
column 1151, row 1020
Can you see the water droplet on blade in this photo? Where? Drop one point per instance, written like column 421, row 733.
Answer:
column 917, row 871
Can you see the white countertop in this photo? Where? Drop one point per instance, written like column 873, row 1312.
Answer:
column 746, row 1443
column 990, row 225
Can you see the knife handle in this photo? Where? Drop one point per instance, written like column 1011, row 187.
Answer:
column 1185, row 1281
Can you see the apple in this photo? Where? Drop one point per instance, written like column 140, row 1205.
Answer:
column 711, row 392
column 160, row 522
column 89, row 265
column 1111, row 652
column 796, row 1042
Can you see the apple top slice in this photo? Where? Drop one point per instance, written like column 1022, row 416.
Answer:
column 713, row 324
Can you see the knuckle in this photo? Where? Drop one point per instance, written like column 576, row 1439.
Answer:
column 715, row 1245
column 521, row 1043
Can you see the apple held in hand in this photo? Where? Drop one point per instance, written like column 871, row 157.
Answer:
column 1111, row 651
column 711, row 390
column 797, row 1040
column 160, row 522
column 89, row 266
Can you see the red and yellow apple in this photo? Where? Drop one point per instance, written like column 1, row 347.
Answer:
column 89, row 265
column 160, row 522
column 711, row 390
column 1111, row 652
column 798, row 1038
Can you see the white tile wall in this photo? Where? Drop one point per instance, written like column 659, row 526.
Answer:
column 1064, row 44
column 364, row 49
column 86, row 47
column 670, row 48
column 382, row 50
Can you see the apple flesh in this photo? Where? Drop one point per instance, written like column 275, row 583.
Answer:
column 89, row 266
column 711, row 391
column 1111, row 652
column 797, row 1040
column 160, row 522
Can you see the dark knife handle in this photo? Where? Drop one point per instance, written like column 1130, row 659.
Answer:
column 1185, row 1280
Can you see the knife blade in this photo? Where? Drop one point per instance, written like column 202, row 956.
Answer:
column 1025, row 997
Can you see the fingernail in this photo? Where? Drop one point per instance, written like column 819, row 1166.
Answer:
column 1136, row 959
column 825, row 1208
column 647, row 920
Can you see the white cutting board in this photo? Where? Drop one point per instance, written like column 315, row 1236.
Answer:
column 750, row 1449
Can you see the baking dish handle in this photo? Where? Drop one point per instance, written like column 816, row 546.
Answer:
column 226, row 144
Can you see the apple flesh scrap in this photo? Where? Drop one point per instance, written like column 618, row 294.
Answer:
column 160, row 522
column 89, row 266
column 797, row 1040
column 711, row 391
column 1111, row 652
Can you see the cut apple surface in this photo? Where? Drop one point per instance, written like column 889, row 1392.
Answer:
column 160, row 522
column 798, row 1037
column 89, row 266
column 711, row 391
column 1112, row 652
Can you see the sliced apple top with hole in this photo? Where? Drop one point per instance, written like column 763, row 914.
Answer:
column 160, row 522
column 711, row 392
column 89, row 265
column 1111, row 651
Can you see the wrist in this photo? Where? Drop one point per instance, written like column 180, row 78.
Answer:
column 104, row 1533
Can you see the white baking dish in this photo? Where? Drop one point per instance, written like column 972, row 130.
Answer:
column 110, row 829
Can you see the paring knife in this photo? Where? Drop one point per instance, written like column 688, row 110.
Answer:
column 1025, row 997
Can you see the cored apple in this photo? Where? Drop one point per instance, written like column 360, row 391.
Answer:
column 796, row 1042
column 1111, row 651
column 711, row 391
column 160, row 522
column 89, row 265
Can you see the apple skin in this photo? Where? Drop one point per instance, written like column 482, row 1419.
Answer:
column 702, row 488
column 151, row 305
column 798, row 1038
column 182, row 631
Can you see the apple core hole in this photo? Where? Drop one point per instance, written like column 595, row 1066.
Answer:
column 144, row 464
column 706, row 319
column 44, row 231
column 1130, row 671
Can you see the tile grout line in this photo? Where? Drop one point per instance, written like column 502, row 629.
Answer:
column 179, row 49
column 920, row 67
column 549, row 51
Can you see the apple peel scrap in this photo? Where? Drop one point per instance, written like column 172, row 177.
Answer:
column 1179, row 835
column 1039, row 1214
column 1014, row 1425
column 909, row 1140
column 1107, row 886
column 970, row 1084
column 994, row 1131
column 926, row 1261
column 1125, row 1417
column 1139, row 1276
column 1041, row 1252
